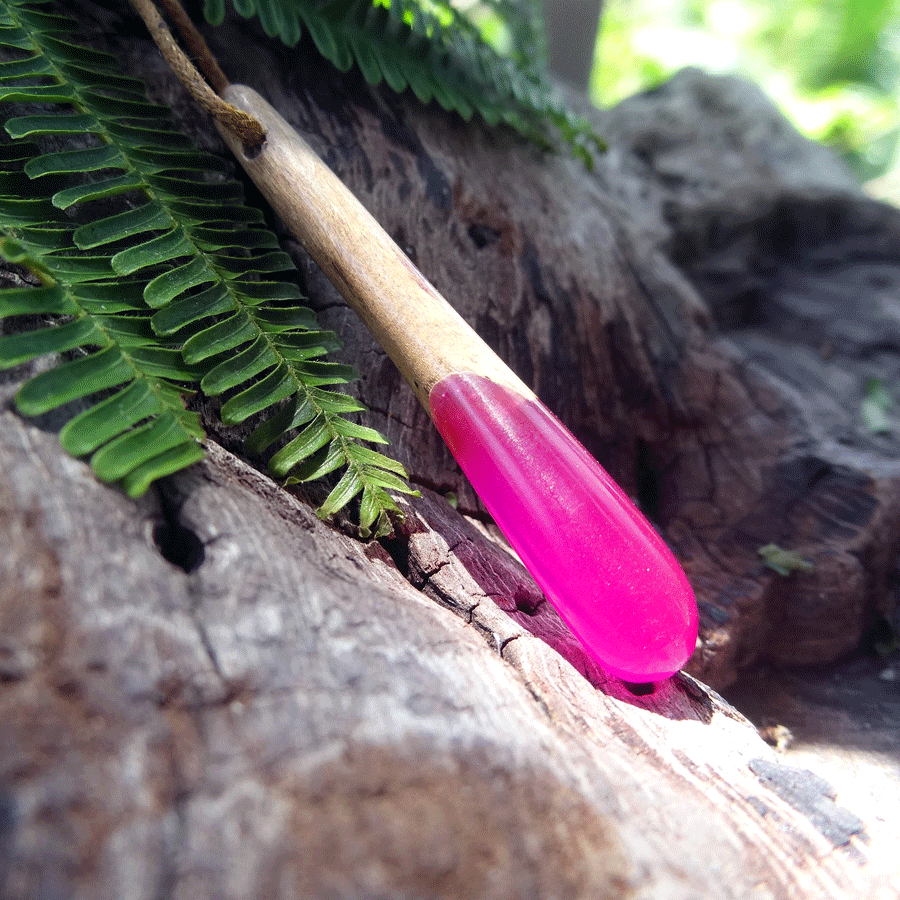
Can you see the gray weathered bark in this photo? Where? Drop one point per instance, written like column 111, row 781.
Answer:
column 292, row 718
column 288, row 712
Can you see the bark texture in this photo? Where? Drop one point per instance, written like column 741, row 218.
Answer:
column 704, row 312
column 292, row 718
column 210, row 693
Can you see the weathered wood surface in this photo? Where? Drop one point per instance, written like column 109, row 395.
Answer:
column 698, row 312
column 292, row 718
column 302, row 715
column 843, row 722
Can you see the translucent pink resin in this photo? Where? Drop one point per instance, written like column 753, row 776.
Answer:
column 597, row 559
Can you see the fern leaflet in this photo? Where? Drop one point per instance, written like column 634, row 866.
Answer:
column 158, row 278
column 433, row 49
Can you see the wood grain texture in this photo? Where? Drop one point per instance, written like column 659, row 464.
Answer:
column 290, row 713
column 292, row 718
column 843, row 722
column 615, row 296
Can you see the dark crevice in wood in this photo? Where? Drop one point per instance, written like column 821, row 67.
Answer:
column 398, row 549
column 176, row 543
column 527, row 600
column 647, row 482
column 482, row 235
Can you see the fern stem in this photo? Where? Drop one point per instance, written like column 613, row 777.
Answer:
column 244, row 125
column 199, row 296
column 196, row 45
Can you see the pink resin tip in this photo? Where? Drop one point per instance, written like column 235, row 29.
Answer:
column 596, row 558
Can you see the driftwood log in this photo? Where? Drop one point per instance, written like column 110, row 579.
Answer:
column 209, row 693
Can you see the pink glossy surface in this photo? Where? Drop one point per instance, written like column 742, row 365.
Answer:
column 595, row 556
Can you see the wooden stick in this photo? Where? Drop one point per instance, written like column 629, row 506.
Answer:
column 196, row 45
column 600, row 563
column 245, row 126
column 421, row 332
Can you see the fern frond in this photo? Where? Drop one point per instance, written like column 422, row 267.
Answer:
column 118, row 351
column 156, row 272
column 433, row 49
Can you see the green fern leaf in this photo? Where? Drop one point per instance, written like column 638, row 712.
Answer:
column 191, row 309
column 432, row 48
column 26, row 346
column 214, row 11
column 323, row 462
column 136, row 482
column 157, row 275
column 344, row 491
column 110, row 418
column 313, row 437
column 292, row 415
column 275, row 387
column 124, row 225
column 258, row 357
column 73, row 380
column 51, row 300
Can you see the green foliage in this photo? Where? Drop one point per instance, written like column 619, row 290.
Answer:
column 439, row 53
column 834, row 68
column 876, row 402
column 155, row 278
column 784, row 561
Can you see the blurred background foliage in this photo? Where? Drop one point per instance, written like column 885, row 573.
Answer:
column 833, row 66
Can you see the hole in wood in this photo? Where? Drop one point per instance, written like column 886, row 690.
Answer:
column 482, row 235
column 179, row 545
column 251, row 152
column 528, row 602
column 398, row 548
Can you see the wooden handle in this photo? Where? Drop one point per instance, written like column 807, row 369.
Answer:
column 421, row 332
column 600, row 563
